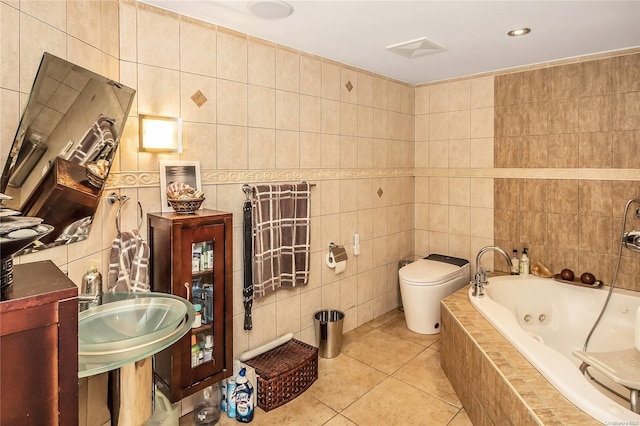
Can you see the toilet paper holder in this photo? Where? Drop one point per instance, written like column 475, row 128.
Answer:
column 338, row 253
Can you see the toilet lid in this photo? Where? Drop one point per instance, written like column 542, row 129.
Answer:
column 430, row 272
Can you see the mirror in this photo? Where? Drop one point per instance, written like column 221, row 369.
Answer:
column 64, row 147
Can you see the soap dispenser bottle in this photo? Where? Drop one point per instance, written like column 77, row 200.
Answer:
column 92, row 281
column 524, row 263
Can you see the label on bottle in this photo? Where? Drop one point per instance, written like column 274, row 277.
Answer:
column 244, row 402
column 515, row 266
column 195, row 264
column 231, row 398
column 194, row 358
column 208, row 354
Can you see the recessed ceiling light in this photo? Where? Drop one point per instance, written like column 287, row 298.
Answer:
column 270, row 9
column 519, row 32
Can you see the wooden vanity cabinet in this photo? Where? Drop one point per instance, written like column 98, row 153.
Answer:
column 191, row 257
column 39, row 347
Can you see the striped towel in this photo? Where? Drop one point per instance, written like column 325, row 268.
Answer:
column 129, row 263
column 96, row 143
column 281, row 237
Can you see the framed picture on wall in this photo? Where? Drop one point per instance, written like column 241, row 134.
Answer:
column 187, row 172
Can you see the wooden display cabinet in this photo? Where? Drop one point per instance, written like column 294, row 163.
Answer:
column 191, row 257
column 39, row 347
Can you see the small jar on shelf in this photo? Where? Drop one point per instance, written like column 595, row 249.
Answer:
column 197, row 322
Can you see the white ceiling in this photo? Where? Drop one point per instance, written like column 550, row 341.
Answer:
column 473, row 33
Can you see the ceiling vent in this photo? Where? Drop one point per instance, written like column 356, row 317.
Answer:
column 416, row 48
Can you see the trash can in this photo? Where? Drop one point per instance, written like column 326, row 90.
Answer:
column 329, row 332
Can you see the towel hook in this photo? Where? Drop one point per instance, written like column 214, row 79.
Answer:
column 248, row 190
column 112, row 198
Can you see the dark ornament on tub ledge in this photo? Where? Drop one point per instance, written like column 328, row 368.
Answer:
column 596, row 284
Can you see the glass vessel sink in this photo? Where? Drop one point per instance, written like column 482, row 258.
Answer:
column 128, row 327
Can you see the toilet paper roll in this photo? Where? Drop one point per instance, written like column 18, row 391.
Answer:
column 339, row 267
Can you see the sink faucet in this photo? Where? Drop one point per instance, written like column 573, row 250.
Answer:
column 480, row 277
column 90, row 289
column 85, row 301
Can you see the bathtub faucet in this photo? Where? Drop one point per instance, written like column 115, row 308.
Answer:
column 480, row 277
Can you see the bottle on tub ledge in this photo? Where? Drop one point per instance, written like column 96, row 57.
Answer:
column 524, row 263
column 515, row 263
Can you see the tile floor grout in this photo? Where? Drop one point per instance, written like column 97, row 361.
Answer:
column 392, row 385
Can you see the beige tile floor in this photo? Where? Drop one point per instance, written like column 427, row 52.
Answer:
column 384, row 375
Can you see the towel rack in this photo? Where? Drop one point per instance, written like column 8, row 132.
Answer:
column 248, row 189
column 112, row 198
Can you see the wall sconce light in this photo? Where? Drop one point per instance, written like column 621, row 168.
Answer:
column 160, row 134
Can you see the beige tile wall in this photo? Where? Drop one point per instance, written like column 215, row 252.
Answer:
column 270, row 113
column 454, row 144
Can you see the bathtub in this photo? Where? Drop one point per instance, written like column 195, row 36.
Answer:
column 545, row 320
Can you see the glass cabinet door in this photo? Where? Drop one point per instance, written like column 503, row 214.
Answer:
column 203, row 266
column 202, row 298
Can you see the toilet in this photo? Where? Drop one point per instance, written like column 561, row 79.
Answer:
column 424, row 283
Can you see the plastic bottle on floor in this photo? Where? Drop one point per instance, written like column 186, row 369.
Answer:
column 231, row 397
column 207, row 407
column 244, row 398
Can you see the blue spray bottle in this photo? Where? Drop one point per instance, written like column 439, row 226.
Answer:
column 231, row 397
column 244, row 398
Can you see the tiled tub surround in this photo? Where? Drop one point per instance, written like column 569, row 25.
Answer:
column 494, row 382
column 573, row 224
column 560, row 318
column 582, row 116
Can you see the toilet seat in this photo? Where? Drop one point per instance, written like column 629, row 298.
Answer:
column 426, row 272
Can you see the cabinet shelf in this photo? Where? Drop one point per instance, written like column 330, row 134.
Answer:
column 202, row 273
column 177, row 242
column 203, row 327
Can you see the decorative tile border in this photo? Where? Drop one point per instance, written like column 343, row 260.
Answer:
column 136, row 179
column 547, row 173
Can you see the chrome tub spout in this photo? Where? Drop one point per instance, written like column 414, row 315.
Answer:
column 480, row 277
